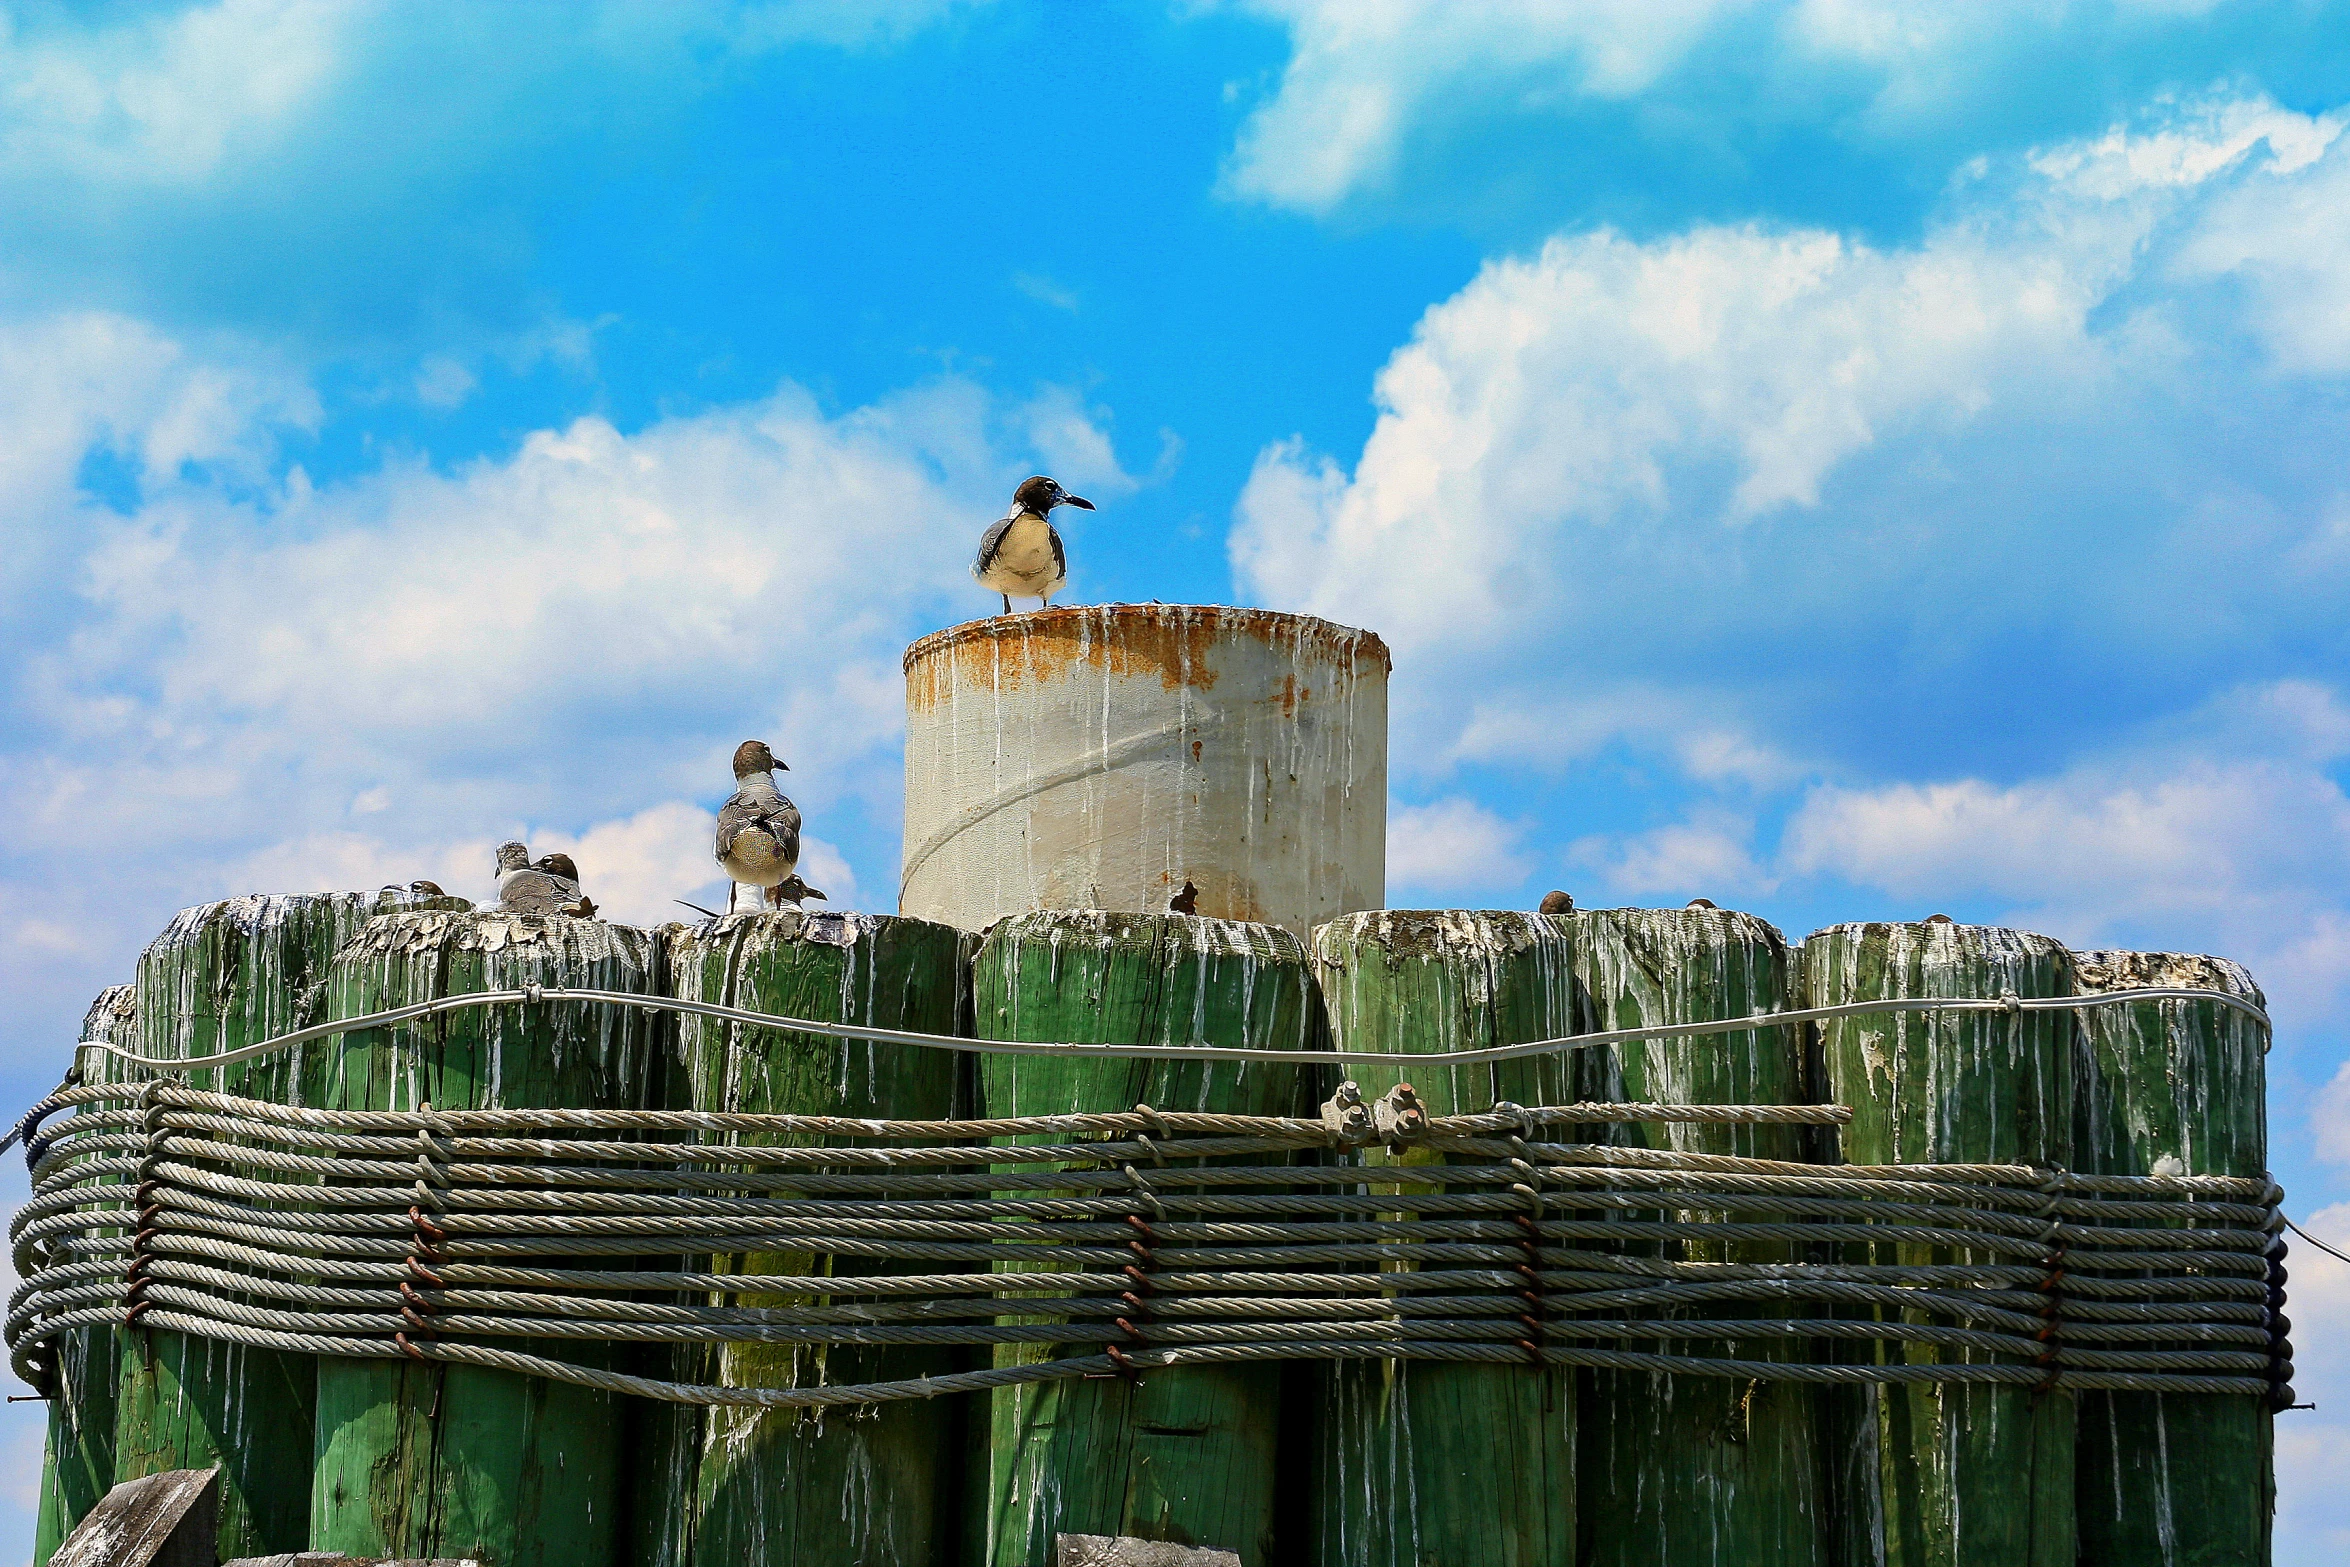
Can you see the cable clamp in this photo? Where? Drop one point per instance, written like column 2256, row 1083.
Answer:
column 1399, row 1116
column 1346, row 1120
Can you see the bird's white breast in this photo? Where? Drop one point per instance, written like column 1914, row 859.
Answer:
column 1025, row 557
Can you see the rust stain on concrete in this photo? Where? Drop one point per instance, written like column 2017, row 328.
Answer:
column 1170, row 641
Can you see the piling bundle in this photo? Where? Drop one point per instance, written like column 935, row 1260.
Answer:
column 1167, row 1189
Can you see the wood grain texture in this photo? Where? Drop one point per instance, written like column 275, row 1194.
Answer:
column 421, row 1459
column 1963, row 1475
column 1188, row 1454
column 1436, row 1464
column 77, row 1466
column 223, row 976
column 867, row 1486
column 166, row 1519
column 1697, row 1471
column 2173, row 1088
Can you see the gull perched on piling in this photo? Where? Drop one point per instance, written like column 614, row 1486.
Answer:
column 758, row 829
column 526, row 889
column 1022, row 553
column 566, row 877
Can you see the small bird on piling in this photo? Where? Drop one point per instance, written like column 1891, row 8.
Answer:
column 1940, row 919
column 560, row 867
column 1022, row 553
column 1703, row 903
column 1557, row 903
column 1186, row 901
column 793, row 890
column 758, row 829
column 525, row 889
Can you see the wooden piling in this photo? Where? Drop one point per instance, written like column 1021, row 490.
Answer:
column 1184, row 1454
column 1438, row 1463
column 78, row 1466
column 427, row 1459
column 852, row 1485
column 222, row 976
column 2172, row 1088
column 1687, row 1471
column 1949, row 1474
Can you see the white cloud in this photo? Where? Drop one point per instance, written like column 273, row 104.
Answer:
column 1367, row 78
column 167, row 98
column 1643, row 460
column 2329, row 1119
column 1360, row 74
column 295, row 686
column 1451, row 846
column 191, row 96
column 1708, row 856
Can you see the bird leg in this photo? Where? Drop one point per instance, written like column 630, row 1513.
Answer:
column 1007, row 598
column 731, row 886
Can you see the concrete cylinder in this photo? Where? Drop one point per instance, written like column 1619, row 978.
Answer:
column 1101, row 757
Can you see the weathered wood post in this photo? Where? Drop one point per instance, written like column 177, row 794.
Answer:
column 1185, row 1454
column 79, row 1465
column 419, row 1458
column 1686, row 1471
column 869, row 1485
column 2172, row 1088
column 1971, row 1473
column 1441, row 1463
column 222, row 976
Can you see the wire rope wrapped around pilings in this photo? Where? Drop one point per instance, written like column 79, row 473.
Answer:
column 277, row 1227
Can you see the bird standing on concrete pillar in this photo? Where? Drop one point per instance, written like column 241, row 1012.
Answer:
column 1022, row 554
column 758, row 829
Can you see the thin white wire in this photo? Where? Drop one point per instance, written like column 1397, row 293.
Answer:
column 1201, row 1052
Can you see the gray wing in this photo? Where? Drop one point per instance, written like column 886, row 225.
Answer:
column 533, row 892
column 780, row 820
column 1060, row 555
column 993, row 540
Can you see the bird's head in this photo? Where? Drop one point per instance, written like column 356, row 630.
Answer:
column 752, row 758
column 513, row 856
column 1040, row 495
column 558, row 865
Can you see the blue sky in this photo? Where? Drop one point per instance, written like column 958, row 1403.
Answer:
column 1844, row 459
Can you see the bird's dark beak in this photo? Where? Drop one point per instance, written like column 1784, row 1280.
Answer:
column 1077, row 500
column 784, row 765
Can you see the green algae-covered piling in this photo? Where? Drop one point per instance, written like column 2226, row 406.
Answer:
column 223, row 976
column 1183, row 1454
column 868, row 1484
column 86, row 1362
column 1979, row 1474
column 2172, row 1088
column 1439, row 1463
column 1685, row 1471
column 418, row 1458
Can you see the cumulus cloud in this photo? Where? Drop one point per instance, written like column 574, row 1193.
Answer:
column 1709, row 856
column 1652, row 461
column 1452, row 846
column 1364, row 82
column 303, row 686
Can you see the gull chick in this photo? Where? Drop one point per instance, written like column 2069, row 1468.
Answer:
column 1022, row 554
column 758, row 829
column 525, row 889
